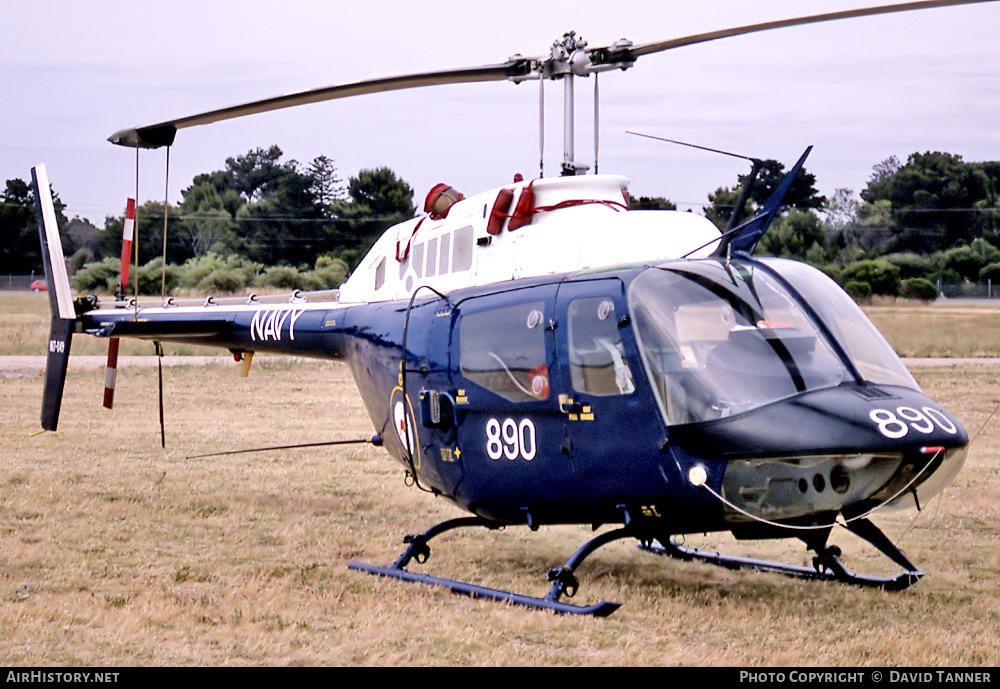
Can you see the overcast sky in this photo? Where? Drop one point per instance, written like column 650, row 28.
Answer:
column 72, row 73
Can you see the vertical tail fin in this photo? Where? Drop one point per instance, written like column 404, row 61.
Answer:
column 60, row 300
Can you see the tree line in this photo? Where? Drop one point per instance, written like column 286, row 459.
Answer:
column 259, row 220
column 934, row 217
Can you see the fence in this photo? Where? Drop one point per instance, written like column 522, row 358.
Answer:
column 968, row 290
column 18, row 282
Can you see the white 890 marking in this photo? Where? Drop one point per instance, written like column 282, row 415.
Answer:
column 511, row 439
column 923, row 421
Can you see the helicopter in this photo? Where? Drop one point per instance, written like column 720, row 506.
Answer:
column 542, row 354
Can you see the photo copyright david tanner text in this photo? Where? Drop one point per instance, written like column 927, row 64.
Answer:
column 888, row 676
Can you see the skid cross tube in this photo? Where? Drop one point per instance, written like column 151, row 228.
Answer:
column 826, row 563
column 563, row 580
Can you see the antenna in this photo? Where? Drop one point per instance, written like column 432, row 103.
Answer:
column 741, row 202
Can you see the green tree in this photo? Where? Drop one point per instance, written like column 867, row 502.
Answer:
column 651, row 203
column 378, row 199
column 842, row 228
column 802, row 194
column 147, row 240
column 20, row 246
column 327, row 185
column 208, row 223
column 722, row 203
column 881, row 179
column 382, row 192
column 798, row 234
column 262, row 207
column 257, row 174
column 937, row 200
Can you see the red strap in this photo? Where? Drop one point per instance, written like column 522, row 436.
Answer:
column 617, row 205
column 406, row 248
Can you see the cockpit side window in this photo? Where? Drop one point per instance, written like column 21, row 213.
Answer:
column 503, row 350
column 597, row 361
column 872, row 355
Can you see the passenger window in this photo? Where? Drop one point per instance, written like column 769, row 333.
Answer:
column 445, row 255
column 504, row 351
column 418, row 259
column 432, row 256
column 462, row 250
column 597, row 360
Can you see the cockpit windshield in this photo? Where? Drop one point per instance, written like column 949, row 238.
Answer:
column 723, row 338
column 872, row 355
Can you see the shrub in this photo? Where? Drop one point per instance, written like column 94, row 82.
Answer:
column 281, row 277
column 222, row 282
column 328, row 261
column 153, row 280
column 197, row 269
column 960, row 259
column 80, row 258
column 911, row 265
column 859, row 291
column 881, row 276
column 328, row 278
column 98, row 277
column 918, row 288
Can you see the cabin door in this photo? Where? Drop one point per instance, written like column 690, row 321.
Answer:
column 614, row 436
column 510, row 430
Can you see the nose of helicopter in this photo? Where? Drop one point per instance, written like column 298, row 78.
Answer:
column 851, row 446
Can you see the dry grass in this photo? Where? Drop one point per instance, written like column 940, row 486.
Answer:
column 945, row 328
column 115, row 552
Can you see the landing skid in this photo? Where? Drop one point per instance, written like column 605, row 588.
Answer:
column 563, row 580
column 826, row 566
column 826, row 563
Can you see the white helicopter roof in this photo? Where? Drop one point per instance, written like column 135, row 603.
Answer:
column 525, row 229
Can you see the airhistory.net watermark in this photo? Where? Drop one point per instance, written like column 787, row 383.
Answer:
column 45, row 676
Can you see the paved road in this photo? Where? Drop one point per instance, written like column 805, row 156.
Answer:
column 982, row 361
column 28, row 365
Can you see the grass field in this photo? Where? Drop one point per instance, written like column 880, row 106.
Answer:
column 116, row 552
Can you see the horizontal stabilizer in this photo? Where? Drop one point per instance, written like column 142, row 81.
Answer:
column 168, row 330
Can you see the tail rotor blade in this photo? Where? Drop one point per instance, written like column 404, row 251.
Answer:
column 111, row 371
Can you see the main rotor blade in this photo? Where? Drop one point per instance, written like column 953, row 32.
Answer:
column 660, row 46
column 157, row 135
column 516, row 69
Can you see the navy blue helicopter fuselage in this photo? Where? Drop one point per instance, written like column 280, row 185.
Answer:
column 701, row 395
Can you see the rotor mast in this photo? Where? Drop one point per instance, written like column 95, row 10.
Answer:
column 570, row 58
